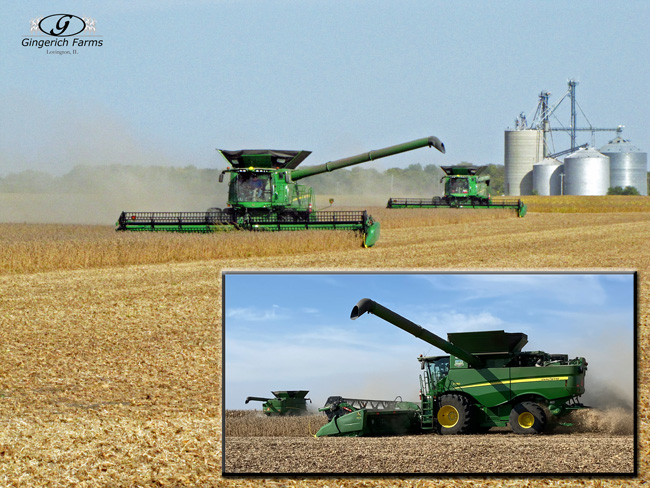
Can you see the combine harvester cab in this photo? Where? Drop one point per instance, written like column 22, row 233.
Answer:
column 355, row 417
column 263, row 195
column 487, row 380
column 464, row 188
column 287, row 402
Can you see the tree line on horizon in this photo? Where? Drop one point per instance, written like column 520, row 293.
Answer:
column 414, row 180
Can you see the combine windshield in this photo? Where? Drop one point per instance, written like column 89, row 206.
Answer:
column 439, row 368
column 458, row 185
column 251, row 187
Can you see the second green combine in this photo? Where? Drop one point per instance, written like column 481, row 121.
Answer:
column 464, row 187
column 286, row 402
column 263, row 195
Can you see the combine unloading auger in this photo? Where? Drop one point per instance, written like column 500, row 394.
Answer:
column 464, row 188
column 263, row 195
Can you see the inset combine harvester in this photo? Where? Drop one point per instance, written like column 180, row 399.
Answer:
column 288, row 402
column 263, row 195
column 485, row 381
column 464, row 188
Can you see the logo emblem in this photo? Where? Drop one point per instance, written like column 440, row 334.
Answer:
column 62, row 25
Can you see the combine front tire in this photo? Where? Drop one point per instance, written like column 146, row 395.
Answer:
column 527, row 418
column 455, row 415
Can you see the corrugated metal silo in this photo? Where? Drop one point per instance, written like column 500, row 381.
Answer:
column 547, row 178
column 523, row 148
column 586, row 172
column 628, row 165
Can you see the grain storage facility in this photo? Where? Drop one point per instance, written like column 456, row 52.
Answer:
column 586, row 172
column 523, row 148
column 547, row 177
column 628, row 165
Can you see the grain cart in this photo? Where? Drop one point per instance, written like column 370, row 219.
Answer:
column 355, row 417
column 487, row 380
column 464, row 188
column 263, row 195
column 288, row 402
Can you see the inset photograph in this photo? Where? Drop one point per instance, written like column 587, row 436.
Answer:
column 429, row 373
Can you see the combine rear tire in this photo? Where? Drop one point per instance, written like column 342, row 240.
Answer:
column 527, row 418
column 455, row 415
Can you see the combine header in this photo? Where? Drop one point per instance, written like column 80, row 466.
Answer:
column 463, row 189
column 369, row 417
column 485, row 381
column 263, row 195
column 290, row 402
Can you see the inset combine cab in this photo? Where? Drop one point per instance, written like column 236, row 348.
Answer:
column 485, row 381
column 289, row 402
column 263, row 195
column 464, row 188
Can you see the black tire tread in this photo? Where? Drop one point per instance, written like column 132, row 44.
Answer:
column 465, row 408
column 538, row 412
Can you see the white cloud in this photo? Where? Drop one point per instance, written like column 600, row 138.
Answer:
column 453, row 321
column 564, row 288
column 311, row 311
column 255, row 314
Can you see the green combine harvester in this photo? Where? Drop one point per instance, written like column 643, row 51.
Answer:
column 464, row 188
column 263, row 195
column 288, row 402
column 485, row 381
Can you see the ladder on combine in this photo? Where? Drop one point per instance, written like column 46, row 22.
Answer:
column 426, row 418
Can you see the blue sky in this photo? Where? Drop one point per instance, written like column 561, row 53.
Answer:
column 175, row 80
column 293, row 331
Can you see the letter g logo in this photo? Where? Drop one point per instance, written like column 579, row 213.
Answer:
column 62, row 25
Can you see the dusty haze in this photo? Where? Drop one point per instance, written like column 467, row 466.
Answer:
column 98, row 194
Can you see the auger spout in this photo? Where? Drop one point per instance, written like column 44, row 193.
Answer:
column 369, row 156
column 370, row 306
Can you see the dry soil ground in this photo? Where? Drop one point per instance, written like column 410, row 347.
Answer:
column 488, row 453
column 111, row 373
column 600, row 441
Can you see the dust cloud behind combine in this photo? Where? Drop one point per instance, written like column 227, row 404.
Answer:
column 615, row 421
column 98, row 197
column 96, row 194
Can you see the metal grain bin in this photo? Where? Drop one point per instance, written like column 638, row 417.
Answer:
column 628, row 165
column 523, row 148
column 586, row 172
column 547, row 179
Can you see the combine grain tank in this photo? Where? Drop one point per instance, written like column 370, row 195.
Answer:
column 485, row 381
column 263, row 195
column 586, row 172
column 547, row 177
column 523, row 148
column 628, row 165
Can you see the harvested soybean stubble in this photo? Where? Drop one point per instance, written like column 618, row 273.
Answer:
column 112, row 367
column 256, row 443
column 486, row 453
